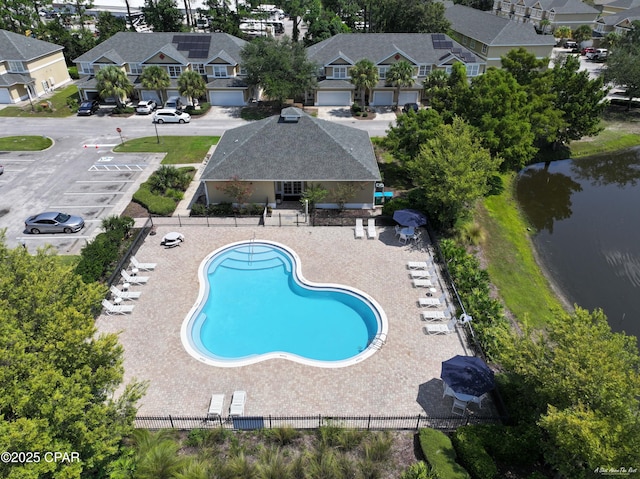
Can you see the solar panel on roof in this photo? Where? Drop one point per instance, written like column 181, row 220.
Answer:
column 196, row 46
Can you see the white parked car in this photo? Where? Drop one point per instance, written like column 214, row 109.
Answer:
column 599, row 55
column 167, row 115
column 146, row 107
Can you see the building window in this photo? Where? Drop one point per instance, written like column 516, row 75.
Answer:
column 424, row 70
column 484, row 49
column 552, row 16
column 448, row 69
column 85, row 68
column 242, row 70
column 16, row 67
column 220, row 71
column 520, row 10
column 473, row 69
column 382, row 72
column 472, row 43
column 199, row 67
column 465, row 40
column 174, row 70
column 339, row 72
column 135, row 68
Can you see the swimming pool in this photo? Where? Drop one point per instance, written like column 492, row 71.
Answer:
column 254, row 304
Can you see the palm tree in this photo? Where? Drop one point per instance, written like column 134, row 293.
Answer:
column 364, row 75
column 400, row 75
column 192, row 85
column 155, row 78
column 113, row 82
column 563, row 32
column 544, row 25
column 611, row 40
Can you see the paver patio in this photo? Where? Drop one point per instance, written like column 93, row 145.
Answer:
column 400, row 379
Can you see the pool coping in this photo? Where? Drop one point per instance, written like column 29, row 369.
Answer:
column 194, row 314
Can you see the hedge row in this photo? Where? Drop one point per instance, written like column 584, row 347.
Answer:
column 440, row 454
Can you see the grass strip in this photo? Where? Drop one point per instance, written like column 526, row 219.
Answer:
column 607, row 141
column 179, row 149
column 512, row 267
column 25, row 143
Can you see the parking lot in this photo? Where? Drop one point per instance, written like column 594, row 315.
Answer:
column 86, row 180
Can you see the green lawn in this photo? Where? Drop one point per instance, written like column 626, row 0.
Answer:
column 179, row 149
column 24, row 143
column 58, row 103
column 608, row 140
column 511, row 263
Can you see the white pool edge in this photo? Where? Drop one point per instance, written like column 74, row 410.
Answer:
column 187, row 342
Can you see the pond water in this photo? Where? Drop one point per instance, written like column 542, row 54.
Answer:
column 587, row 216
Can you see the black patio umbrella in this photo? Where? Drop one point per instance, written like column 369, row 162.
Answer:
column 409, row 217
column 467, row 375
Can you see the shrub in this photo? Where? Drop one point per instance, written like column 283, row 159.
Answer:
column 204, row 108
column 419, row 470
column 221, row 209
column 512, row 444
column 468, row 444
column 198, row 209
column 355, row 108
column 97, row 256
column 72, row 103
column 440, row 454
column 378, row 448
column 155, row 204
column 73, row 73
column 281, row 435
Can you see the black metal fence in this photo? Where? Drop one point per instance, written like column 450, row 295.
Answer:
column 135, row 244
column 311, row 422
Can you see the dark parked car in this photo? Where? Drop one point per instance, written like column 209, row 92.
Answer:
column 88, row 108
column 410, row 106
column 53, row 222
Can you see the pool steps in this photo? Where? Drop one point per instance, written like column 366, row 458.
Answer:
column 252, row 259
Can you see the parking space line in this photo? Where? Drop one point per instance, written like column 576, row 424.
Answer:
column 60, row 207
column 96, row 193
column 105, row 181
column 51, row 236
column 116, row 167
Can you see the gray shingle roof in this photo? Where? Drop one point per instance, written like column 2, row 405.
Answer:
column 624, row 4
column 9, row 79
column 378, row 47
column 308, row 149
column 572, row 6
column 493, row 30
column 631, row 14
column 22, row 48
column 134, row 47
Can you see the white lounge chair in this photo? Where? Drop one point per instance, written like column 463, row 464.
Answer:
column 422, row 283
column 417, row 265
column 459, row 407
column 237, row 403
column 133, row 279
column 359, row 232
column 215, row 406
column 433, row 316
column 420, row 274
column 429, row 302
column 111, row 308
column 142, row 266
column 124, row 294
column 448, row 328
column 371, row 228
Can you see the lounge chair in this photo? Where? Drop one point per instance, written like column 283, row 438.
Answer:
column 422, row 283
column 215, row 406
column 359, row 232
column 448, row 328
column 371, row 228
column 133, row 279
column 111, row 308
column 124, row 294
column 420, row 274
column 417, row 265
column 237, row 403
column 433, row 316
column 429, row 302
column 142, row 266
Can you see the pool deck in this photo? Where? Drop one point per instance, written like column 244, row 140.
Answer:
column 402, row 378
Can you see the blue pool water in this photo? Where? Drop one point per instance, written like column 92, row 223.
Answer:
column 255, row 305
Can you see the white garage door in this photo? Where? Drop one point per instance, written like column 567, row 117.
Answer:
column 150, row 95
column 4, row 96
column 382, row 98
column 334, row 98
column 408, row 97
column 227, row 98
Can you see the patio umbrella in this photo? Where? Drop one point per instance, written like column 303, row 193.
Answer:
column 409, row 217
column 467, row 375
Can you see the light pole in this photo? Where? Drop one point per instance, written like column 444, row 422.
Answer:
column 155, row 125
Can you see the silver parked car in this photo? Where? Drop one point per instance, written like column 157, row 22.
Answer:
column 53, row 222
column 171, row 115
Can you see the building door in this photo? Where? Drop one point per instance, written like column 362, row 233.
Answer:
column 291, row 190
